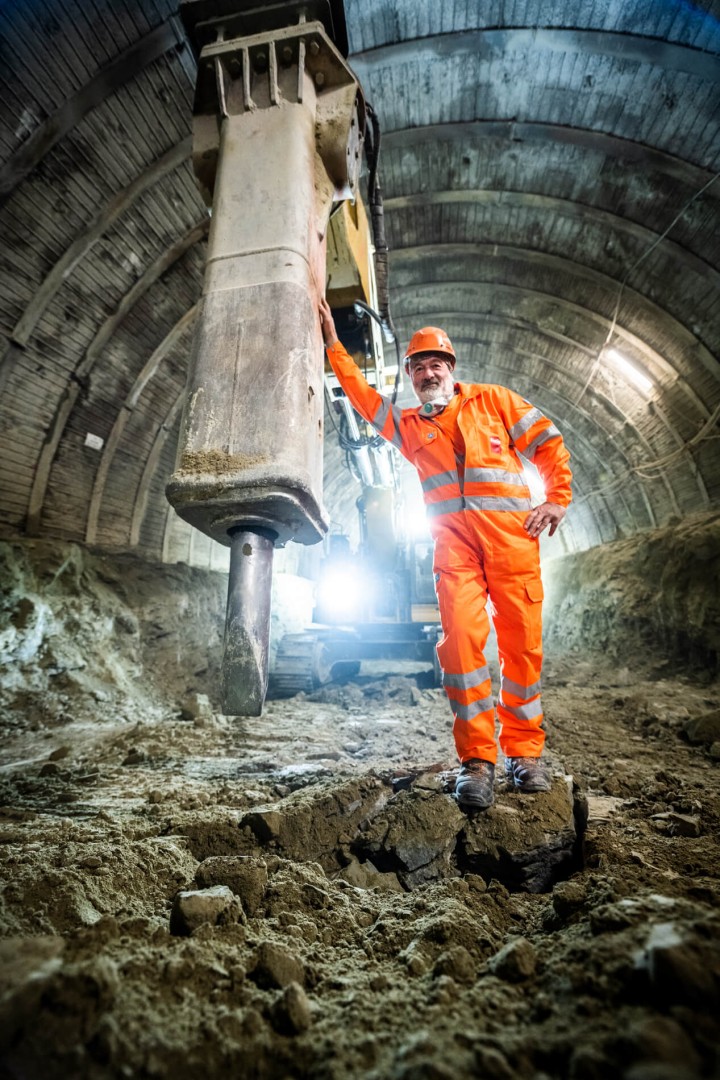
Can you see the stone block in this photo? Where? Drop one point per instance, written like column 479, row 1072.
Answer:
column 195, row 907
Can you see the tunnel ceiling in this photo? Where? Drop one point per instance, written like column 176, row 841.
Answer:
column 549, row 180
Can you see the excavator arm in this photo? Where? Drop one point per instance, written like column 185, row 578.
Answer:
column 278, row 129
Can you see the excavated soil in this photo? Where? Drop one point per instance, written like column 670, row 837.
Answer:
column 298, row 895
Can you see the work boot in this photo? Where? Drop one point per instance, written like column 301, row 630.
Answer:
column 527, row 774
column 474, row 785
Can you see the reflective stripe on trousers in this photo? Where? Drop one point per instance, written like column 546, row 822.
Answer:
column 479, row 556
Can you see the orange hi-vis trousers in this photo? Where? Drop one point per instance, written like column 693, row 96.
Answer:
column 477, row 500
column 481, row 555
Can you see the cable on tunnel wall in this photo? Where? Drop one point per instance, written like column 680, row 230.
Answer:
column 641, row 258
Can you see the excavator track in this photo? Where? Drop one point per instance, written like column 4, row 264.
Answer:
column 308, row 660
column 299, row 665
column 304, row 662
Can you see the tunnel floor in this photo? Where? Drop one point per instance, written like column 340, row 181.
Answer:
column 355, row 922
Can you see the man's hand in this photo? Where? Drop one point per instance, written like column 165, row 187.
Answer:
column 327, row 322
column 546, row 514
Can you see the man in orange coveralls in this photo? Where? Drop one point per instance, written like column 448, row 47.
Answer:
column 464, row 441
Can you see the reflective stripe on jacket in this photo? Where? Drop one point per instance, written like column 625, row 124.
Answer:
column 496, row 424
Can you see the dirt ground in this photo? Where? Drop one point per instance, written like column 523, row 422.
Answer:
column 342, row 917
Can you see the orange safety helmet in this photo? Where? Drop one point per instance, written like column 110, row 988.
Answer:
column 430, row 339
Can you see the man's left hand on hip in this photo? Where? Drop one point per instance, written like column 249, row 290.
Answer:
column 546, row 514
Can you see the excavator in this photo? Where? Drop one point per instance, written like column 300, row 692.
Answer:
column 373, row 601
column 281, row 130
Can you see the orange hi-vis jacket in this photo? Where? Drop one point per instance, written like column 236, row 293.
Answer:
column 477, row 500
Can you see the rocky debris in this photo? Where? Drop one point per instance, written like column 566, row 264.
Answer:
column 311, row 826
column 134, row 756
column 677, row 824
column 663, row 1045
column 60, row 753
column 515, row 961
column 423, row 777
column 458, row 964
column 601, row 807
column 414, row 835
column 419, row 834
column 91, row 862
column 366, row 875
column 246, row 876
column 395, row 690
column 526, row 841
column 50, row 769
column 192, row 908
column 569, row 899
column 683, row 965
column 275, row 967
column 291, row 1013
column 42, row 981
column 641, row 596
column 703, row 730
column 397, row 982
column 23, row 959
column 197, row 708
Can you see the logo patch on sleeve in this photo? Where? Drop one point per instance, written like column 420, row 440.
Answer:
column 495, row 444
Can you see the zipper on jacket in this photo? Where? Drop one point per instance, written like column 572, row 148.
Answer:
column 461, row 483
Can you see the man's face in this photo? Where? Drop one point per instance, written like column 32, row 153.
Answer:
column 431, row 378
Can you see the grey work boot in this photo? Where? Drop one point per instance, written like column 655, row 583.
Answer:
column 527, row 774
column 474, row 785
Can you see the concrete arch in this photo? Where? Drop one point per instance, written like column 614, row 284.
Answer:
column 121, row 70
column 517, row 293
column 632, row 151
column 553, row 76
column 639, row 234
column 74, row 387
column 112, row 443
column 151, row 464
column 103, row 220
column 575, row 407
column 490, row 43
column 672, row 329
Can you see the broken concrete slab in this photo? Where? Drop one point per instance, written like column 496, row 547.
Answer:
column 311, row 825
column 416, row 831
column 420, row 834
column 525, row 841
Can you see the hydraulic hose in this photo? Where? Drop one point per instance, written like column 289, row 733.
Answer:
column 377, row 218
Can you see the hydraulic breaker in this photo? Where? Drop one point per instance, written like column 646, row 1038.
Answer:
column 278, row 126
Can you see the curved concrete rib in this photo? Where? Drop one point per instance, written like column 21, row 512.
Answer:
column 75, row 385
column 148, row 372
column 121, row 70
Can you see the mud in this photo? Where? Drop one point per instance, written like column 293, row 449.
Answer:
column 217, row 462
column 298, row 894
column 648, row 596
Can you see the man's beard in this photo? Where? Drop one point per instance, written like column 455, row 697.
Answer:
column 436, row 392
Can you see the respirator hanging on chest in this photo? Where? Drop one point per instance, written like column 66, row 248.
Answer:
column 432, row 408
